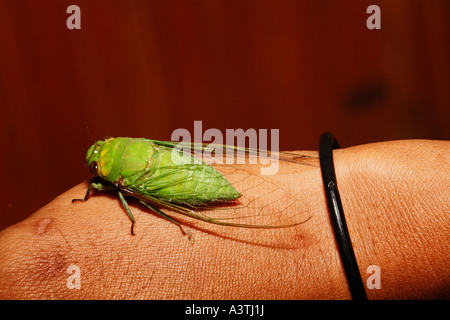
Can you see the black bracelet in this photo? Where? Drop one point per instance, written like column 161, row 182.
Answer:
column 326, row 145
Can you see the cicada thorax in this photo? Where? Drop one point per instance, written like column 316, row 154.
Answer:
column 119, row 157
column 159, row 171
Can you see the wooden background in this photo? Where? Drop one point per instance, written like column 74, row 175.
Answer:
column 144, row 68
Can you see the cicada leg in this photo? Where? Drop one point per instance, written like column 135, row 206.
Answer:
column 155, row 209
column 99, row 184
column 88, row 192
column 127, row 209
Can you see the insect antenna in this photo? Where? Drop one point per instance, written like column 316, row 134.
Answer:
column 90, row 134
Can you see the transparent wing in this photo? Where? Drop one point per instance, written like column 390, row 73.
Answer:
column 262, row 179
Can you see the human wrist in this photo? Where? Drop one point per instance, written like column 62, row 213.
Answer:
column 395, row 207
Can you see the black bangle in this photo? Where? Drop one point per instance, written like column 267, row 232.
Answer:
column 326, row 145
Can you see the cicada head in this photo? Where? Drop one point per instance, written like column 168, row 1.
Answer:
column 100, row 158
column 93, row 156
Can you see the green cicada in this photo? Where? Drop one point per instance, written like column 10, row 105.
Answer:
column 162, row 177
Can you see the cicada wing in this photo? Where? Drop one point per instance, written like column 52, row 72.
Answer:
column 210, row 150
column 265, row 201
column 268, row 215
column 264, row 181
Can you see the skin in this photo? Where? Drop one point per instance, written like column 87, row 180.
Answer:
column 396, row 199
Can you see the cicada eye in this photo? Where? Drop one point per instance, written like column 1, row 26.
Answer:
column 93, row 167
